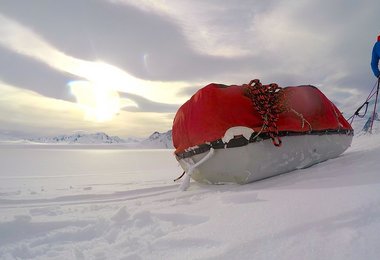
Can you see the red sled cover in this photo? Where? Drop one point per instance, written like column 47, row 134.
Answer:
column 214, row 109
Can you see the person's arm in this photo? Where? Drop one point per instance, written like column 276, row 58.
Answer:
column 375, row 60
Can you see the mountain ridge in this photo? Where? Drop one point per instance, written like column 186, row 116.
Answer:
column 156, row 140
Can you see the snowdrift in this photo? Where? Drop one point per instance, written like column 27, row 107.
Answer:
column 244, row 133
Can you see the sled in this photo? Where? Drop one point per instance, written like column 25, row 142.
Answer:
column 244, row 133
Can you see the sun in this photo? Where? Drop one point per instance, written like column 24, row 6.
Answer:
column 98, row 95
column 99, row 102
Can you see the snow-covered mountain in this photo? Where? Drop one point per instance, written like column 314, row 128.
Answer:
column 80, row 138
column 156, row 140
column 159, row 140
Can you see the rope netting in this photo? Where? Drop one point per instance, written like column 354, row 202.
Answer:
column 269, row 101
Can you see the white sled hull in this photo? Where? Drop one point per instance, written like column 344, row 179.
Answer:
column 260, row 160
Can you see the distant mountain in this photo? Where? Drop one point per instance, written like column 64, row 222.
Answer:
column 159, row 140
column 156, row 140
column 80, row 138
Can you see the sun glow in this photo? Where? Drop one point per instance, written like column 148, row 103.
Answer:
column 98, row 102
column 117, row 79
column 99, row 97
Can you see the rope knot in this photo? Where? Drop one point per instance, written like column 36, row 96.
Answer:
column 269, row 102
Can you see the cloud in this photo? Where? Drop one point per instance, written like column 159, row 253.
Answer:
column 20, row 70
column 24, row 41
column 292, row 42
column 146, row 105
column 208, row 26
column 147, row 46
column 104, row 79
column 29, row 108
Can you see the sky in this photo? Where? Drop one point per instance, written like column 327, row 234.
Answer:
column 124, row 67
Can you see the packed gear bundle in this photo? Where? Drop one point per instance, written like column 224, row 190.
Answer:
column 244, row 133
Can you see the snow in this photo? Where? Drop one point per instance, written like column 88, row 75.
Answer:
column 111, row 203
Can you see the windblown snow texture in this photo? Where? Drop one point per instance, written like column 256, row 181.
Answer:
column 113, row 204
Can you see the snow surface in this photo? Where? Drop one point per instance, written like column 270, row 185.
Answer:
column 79, row 203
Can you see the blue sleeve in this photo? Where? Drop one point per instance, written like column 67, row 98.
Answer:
column 375, row 59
